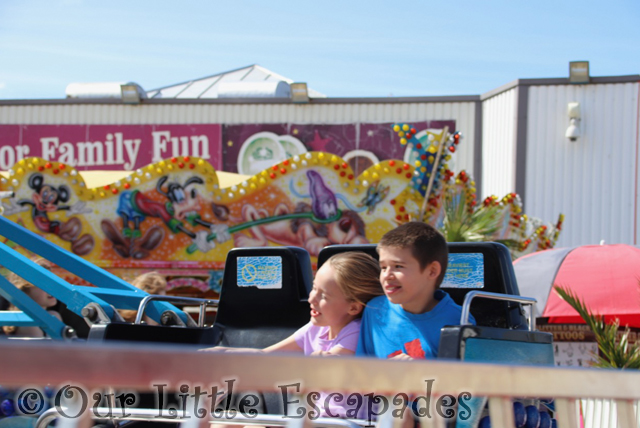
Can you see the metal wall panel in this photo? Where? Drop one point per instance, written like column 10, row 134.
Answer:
column 499, row 115
column 182, row 113
column 594, row 180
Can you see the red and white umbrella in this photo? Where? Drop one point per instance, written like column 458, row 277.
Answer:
column 605, row 277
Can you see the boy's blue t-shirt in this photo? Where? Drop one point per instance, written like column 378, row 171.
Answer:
column 388, row 330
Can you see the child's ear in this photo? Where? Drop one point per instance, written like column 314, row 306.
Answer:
column 434, row 268
column 355, row 308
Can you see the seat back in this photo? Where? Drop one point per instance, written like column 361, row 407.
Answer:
column 330, row 250
column 483, row 266
column 492, row 345
column 495, row 345
column 264, row 295
column 263, row 301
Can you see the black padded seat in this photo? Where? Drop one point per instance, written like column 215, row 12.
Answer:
column 264, row 295
column 498, row 277
column 263, row 301
column 330, row 250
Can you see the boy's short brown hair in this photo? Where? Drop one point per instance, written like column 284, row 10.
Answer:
column 427, row 245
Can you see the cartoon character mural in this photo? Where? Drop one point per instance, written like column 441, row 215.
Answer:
column 174, row 215
column 182, row 205
column 375, row 194
column 175, row 211
column 47, row 198
column 311, row 226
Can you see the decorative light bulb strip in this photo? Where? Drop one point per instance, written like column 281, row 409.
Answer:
column 425, row 154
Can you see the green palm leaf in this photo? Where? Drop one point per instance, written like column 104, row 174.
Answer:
column 614, row 352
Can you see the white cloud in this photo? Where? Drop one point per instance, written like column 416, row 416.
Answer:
column 2, row 85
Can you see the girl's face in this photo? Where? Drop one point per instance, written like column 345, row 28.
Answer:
column 329, row 306
column 42, row 298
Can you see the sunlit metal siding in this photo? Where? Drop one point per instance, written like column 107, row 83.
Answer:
column 184, row 113
column 593, row 180
column 499, row 115
column 602, row 413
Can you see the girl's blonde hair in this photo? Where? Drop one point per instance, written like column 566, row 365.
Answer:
column 152, row 283
column 357, row 275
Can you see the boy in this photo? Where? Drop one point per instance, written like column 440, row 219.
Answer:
column 406, row 322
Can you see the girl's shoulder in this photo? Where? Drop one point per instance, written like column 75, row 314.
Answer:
column 351, row 328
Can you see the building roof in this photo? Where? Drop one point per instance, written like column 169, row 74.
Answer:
column 209, row 87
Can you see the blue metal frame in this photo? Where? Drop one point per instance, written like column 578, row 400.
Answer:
column 109, row 290
column 37, row 316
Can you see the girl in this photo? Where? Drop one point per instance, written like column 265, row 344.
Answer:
column 341, row 288
column 42, row 298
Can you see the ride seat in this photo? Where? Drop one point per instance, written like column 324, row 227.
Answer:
column 263, row 301
column 331, row 250
column 501, row 332
column 492, row 265
column 264, row 295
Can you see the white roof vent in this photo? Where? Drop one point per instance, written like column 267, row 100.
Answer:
column 103, row 90
column 274, row 89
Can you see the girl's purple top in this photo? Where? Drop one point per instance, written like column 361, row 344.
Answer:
column 313, row 338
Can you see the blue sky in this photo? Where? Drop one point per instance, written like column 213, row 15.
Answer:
column 340, row 48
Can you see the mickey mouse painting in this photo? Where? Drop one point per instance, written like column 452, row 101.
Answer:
column 48, row 199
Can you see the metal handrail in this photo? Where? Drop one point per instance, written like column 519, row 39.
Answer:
column 203, row 303
column 137, row 368
column 527, row 301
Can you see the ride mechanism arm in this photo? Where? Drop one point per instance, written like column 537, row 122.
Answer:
column 110, row 290
column 37, row 316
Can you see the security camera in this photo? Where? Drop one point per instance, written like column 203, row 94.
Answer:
column 573, row 131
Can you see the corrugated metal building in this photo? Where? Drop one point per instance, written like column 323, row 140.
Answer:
column 514, row 137
column 594, row 180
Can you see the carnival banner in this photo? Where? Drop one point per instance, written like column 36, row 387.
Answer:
column 108, row 147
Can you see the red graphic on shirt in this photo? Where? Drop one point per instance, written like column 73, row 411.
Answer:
column 413, row 349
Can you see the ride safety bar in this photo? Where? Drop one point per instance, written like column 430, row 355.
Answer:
column 527, row 301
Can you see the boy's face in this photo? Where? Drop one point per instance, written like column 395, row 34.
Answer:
column 404, row 282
